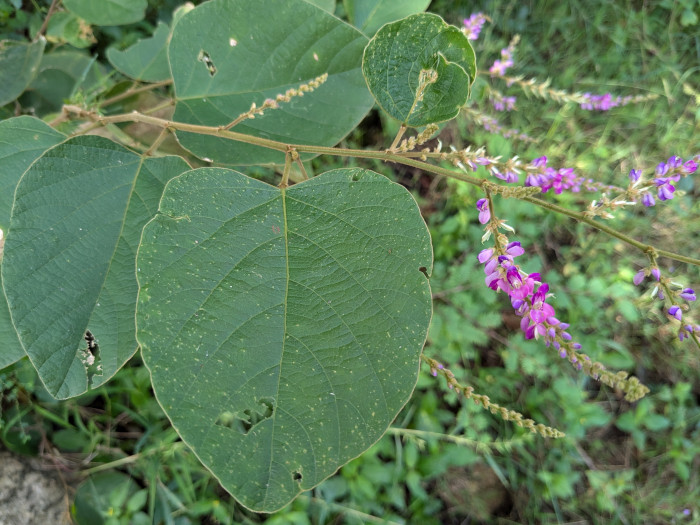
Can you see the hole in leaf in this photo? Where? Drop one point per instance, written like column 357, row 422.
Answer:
column 204, row 57
column 424, row 270
column 243, row 421
column 296, row 476
column 91, row 357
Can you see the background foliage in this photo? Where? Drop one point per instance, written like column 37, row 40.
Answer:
column 447, row 460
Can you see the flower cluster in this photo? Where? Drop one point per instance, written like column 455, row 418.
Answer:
column 675, row 293
column 503, row 103
column 586, row 100
column 529, row 295
column 547, row 178
column 667, row 173
column 607, row 101
column 473, row 25
column 499, row 67
column 492, row 125
column 480, row 399
column 270, row 103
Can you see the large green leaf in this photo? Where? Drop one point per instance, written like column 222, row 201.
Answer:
column 22, row 140
column 370, row 15
column 18, row 64
column 108, row 12
column 226, row 54
column 400, row 52
column 282, row 328
column 69, row 263
column 146, row 60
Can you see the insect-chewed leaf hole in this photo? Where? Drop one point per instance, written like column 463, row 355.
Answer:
column 296, row 476
column 204, row 57
column 244, row 420
column 90, row 357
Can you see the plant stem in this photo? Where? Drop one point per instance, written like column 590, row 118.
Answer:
column 132, row 91
column 363, row 154
column 49, row 14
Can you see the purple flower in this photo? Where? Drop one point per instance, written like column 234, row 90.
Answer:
column 664, row 188
column 662, row 168
column 638, row 277
column 503, row 103
column 656, row 273
column 514, row 249
column 600, row 102
column 635, row 175
column 473, row 25
column 484, row 213
column 648, row 200
column 688, row 294
column 689, row 167
column 485, row 255
column 675, row 311
column 674, row 162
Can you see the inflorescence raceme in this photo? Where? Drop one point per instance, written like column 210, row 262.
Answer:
column 505, row 414
column 677, row 295
column 529, row 296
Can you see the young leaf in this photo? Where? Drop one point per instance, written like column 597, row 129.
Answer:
column 369, row 15
column 22, row 141
column 146, row 60
column 220, row 69
column 69, row 259
column 18, row 65
column 282, row 327
column 108, row 12
column 402, row 56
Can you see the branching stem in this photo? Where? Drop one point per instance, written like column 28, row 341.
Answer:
column 398, row 158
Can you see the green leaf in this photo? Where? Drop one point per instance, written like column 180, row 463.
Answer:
column 146, row 60
column 397, row 55
column 282, row 328
column 61, row 74
column 22, row 141
column 18, row 65
column 688, row 18
column 220, row 69
column 66, row 27
column 70, row 257
column 108, row 12
column 370, row 15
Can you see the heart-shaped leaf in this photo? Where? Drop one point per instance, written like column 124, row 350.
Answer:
column 70, row 256
column 247, row 56
column 22, row 141
column 420, row 69
column 282, row 327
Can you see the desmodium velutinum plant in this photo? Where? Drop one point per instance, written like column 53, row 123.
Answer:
column 282, row 325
